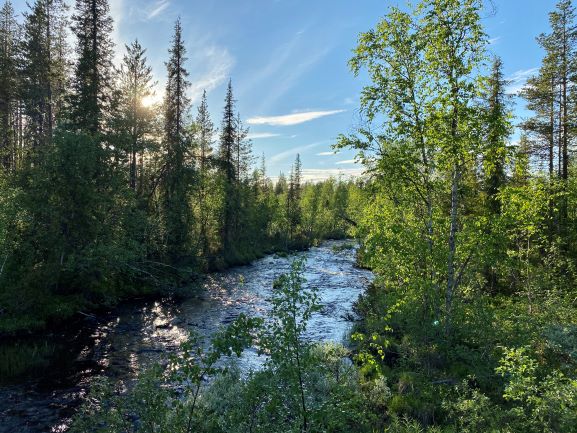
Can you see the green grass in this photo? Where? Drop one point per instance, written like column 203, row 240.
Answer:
column 18, row 359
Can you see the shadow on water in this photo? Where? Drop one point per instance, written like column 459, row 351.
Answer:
column 42, row 381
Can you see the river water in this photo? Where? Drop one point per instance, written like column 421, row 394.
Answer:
column 121, row 343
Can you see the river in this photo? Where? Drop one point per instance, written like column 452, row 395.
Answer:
column 126, row 340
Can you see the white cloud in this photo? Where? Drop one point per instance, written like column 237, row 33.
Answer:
column 518, row 80
column 494, row 41
column 293, row 152
column 348, row 161
column 286, row 65
column 217, row 64
column 320, row 174
column 315, row 175
column 157, row 8
column 327, row 153
column 291, row 119
column 257, row 135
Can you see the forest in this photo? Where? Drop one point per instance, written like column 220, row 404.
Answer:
column 104, row 197
column 470, row 322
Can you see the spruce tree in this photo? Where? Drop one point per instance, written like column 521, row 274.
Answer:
column 93, row 77
column 242, row 151
column 228, row 136
column 8, row 86
column 281, row 185
column 497, row 133
column 135, row 122
column 177, row 167
column 204, row 132
column 293, row 202
column 43, row 69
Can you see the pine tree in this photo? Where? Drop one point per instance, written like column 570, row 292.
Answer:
column 521, row 169
column 281, row 185
column 8, row 86
column 293, row 202
column 93, row 78
column 43, row 69
column 177, row 166
column 540, row 94
column 136, row 120
column 498, row 130
column 228, row 136
column 204, row 132
column 563, row 43
column 549, row 96
column 242, row 151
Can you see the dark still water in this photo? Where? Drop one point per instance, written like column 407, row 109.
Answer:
column 123, row 342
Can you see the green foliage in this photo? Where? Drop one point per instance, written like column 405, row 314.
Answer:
column 301, row 388
column 469, row 245
column 540, row 402
column 105, row 196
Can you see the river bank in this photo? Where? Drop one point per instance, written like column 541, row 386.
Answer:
column 122, row 342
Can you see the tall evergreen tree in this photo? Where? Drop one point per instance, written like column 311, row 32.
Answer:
column 204, row 132
column 228, row 136
column 136, row 120
column 541, row 96
column 177, row 154
column 293, row 201
column 281, row 185
column 43, row 69
column 549, row 96
column 93, row 77
column 8, row 85
column 242, row 151
column 498, row 131
column 562, row 42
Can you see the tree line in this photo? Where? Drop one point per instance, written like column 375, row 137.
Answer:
column 104, row 195
column 472, row 235
column 470, row 324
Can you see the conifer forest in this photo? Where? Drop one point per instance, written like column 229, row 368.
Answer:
column 156, row 277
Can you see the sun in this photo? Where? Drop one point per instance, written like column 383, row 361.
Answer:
column 150, row 100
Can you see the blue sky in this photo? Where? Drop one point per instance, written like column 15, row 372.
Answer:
column 288, row 63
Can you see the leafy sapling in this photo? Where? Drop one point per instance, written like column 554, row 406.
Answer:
column 283, row 337
column 193, row 365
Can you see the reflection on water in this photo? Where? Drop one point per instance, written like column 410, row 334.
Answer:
column 135, row 335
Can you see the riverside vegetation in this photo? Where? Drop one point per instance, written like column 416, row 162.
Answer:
column 470, row 325
column 104, row 197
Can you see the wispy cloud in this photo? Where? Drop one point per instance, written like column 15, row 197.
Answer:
column 518, row 80
column 293, row 152
column 157, row 8
column 217, row 64
column 291, row 119
column 257, row 135
column 291, row 76
column 348, row 161
column 286, row 65
column 493, row 41
column 320, row 174
column 331, row 153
